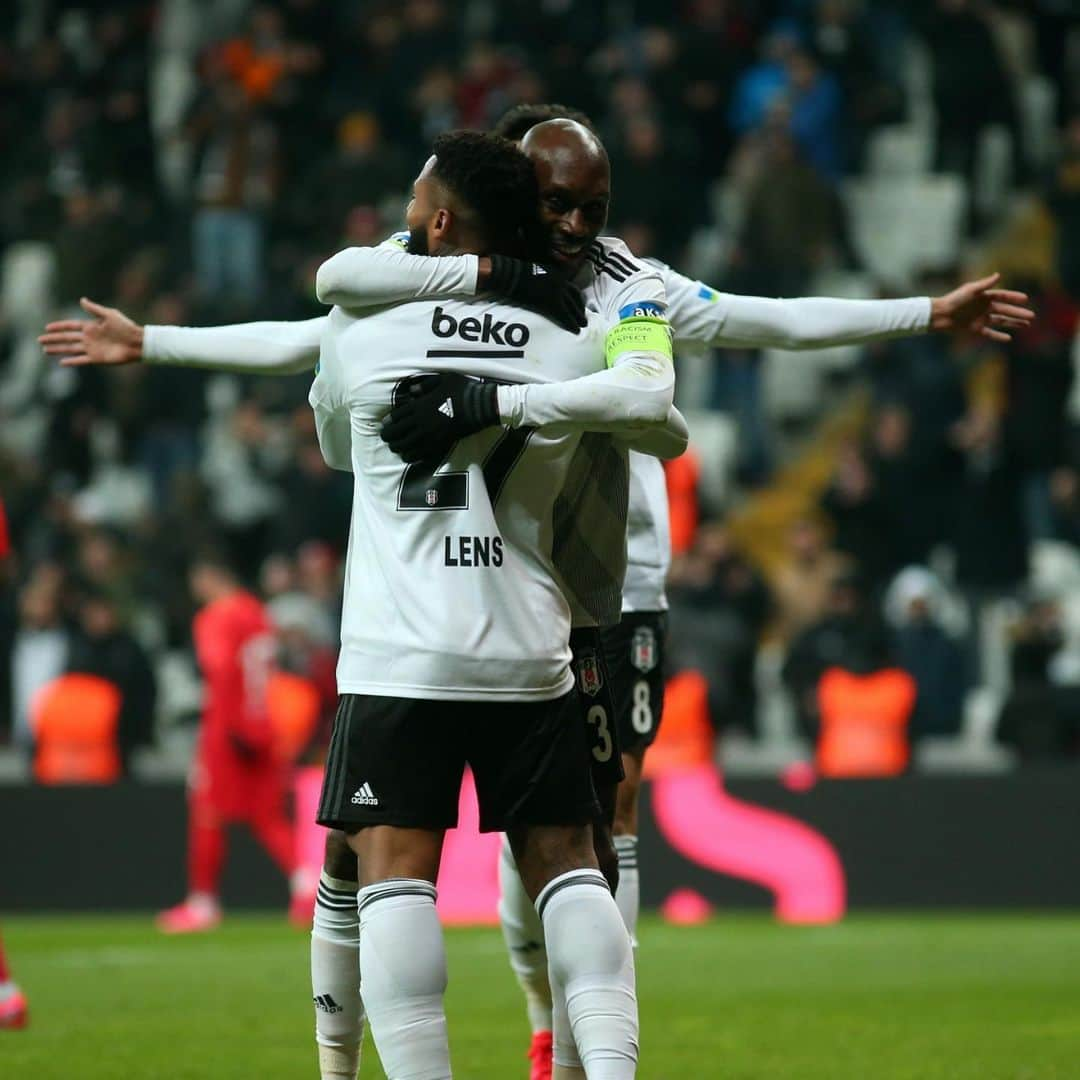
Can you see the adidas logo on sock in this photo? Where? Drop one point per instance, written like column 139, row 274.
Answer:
column 325, row 1003
column 447, row 408
column 364, row 796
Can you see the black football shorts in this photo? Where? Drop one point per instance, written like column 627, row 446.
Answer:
column 634, row 651
column 400, row 761
column 597, row 708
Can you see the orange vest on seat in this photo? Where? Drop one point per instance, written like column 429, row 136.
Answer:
column 74, row 720
column 293, row 704
column 686, row 737
column 864, row 722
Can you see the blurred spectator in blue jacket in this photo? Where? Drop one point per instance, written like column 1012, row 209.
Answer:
column 816, row 112
column 762, row 85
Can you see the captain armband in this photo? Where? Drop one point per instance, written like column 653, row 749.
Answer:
column 638, row 334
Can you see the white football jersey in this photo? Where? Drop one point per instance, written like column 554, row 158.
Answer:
column 696, row 315
column 616, row 286
column 648, row 540
column 451, row 585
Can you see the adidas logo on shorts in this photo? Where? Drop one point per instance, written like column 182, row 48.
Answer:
column 364, row 796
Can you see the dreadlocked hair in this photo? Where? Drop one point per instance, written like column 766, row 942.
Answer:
column 496, row 183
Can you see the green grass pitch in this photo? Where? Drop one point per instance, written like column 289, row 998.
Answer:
column 949, row 997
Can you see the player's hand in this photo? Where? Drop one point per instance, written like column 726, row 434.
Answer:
column 109, row 337
column 979, row 308
column 439, row 410
column 533, row 287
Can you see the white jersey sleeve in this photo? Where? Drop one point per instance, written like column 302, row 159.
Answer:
column 257, row 348
column 626, row 287
column 361, row 277
column 704, row 316
column 636, row 392
column 638, row 384
column 627, row 295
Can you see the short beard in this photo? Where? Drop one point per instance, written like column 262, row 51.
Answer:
column 418, row 242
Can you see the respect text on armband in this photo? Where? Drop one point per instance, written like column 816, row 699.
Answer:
column 638, row 334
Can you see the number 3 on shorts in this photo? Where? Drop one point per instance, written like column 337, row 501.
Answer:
column 641, row 715
column 602, row 746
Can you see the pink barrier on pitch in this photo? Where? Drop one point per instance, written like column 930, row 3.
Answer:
column 706, row 825
column 693, row 813
column 469, row 877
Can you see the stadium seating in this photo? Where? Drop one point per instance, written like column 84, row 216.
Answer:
column 905, row 225
column 899, row 150
column 714, row 438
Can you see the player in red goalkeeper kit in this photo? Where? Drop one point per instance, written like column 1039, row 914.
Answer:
column 236, row 774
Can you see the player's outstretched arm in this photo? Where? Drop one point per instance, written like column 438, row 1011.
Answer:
column 363, row 277
column 109, row 337
column 705, row 316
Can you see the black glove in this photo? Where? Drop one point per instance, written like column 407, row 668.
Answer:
column 439, row 410
column 532, row 286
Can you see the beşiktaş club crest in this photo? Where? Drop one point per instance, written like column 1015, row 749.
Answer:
column 643, row 649
column 589, row 676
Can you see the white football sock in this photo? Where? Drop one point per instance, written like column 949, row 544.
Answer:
column 524, row 934
column 564, row 1056
column 591, row 962
column 628, row 894
column 403, row 960
column 335, row 978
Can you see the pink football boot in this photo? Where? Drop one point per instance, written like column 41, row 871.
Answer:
column 194, row 915
column 13, row 1011
column 540, row 1056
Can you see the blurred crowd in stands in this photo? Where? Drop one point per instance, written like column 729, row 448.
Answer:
column 193, row 162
